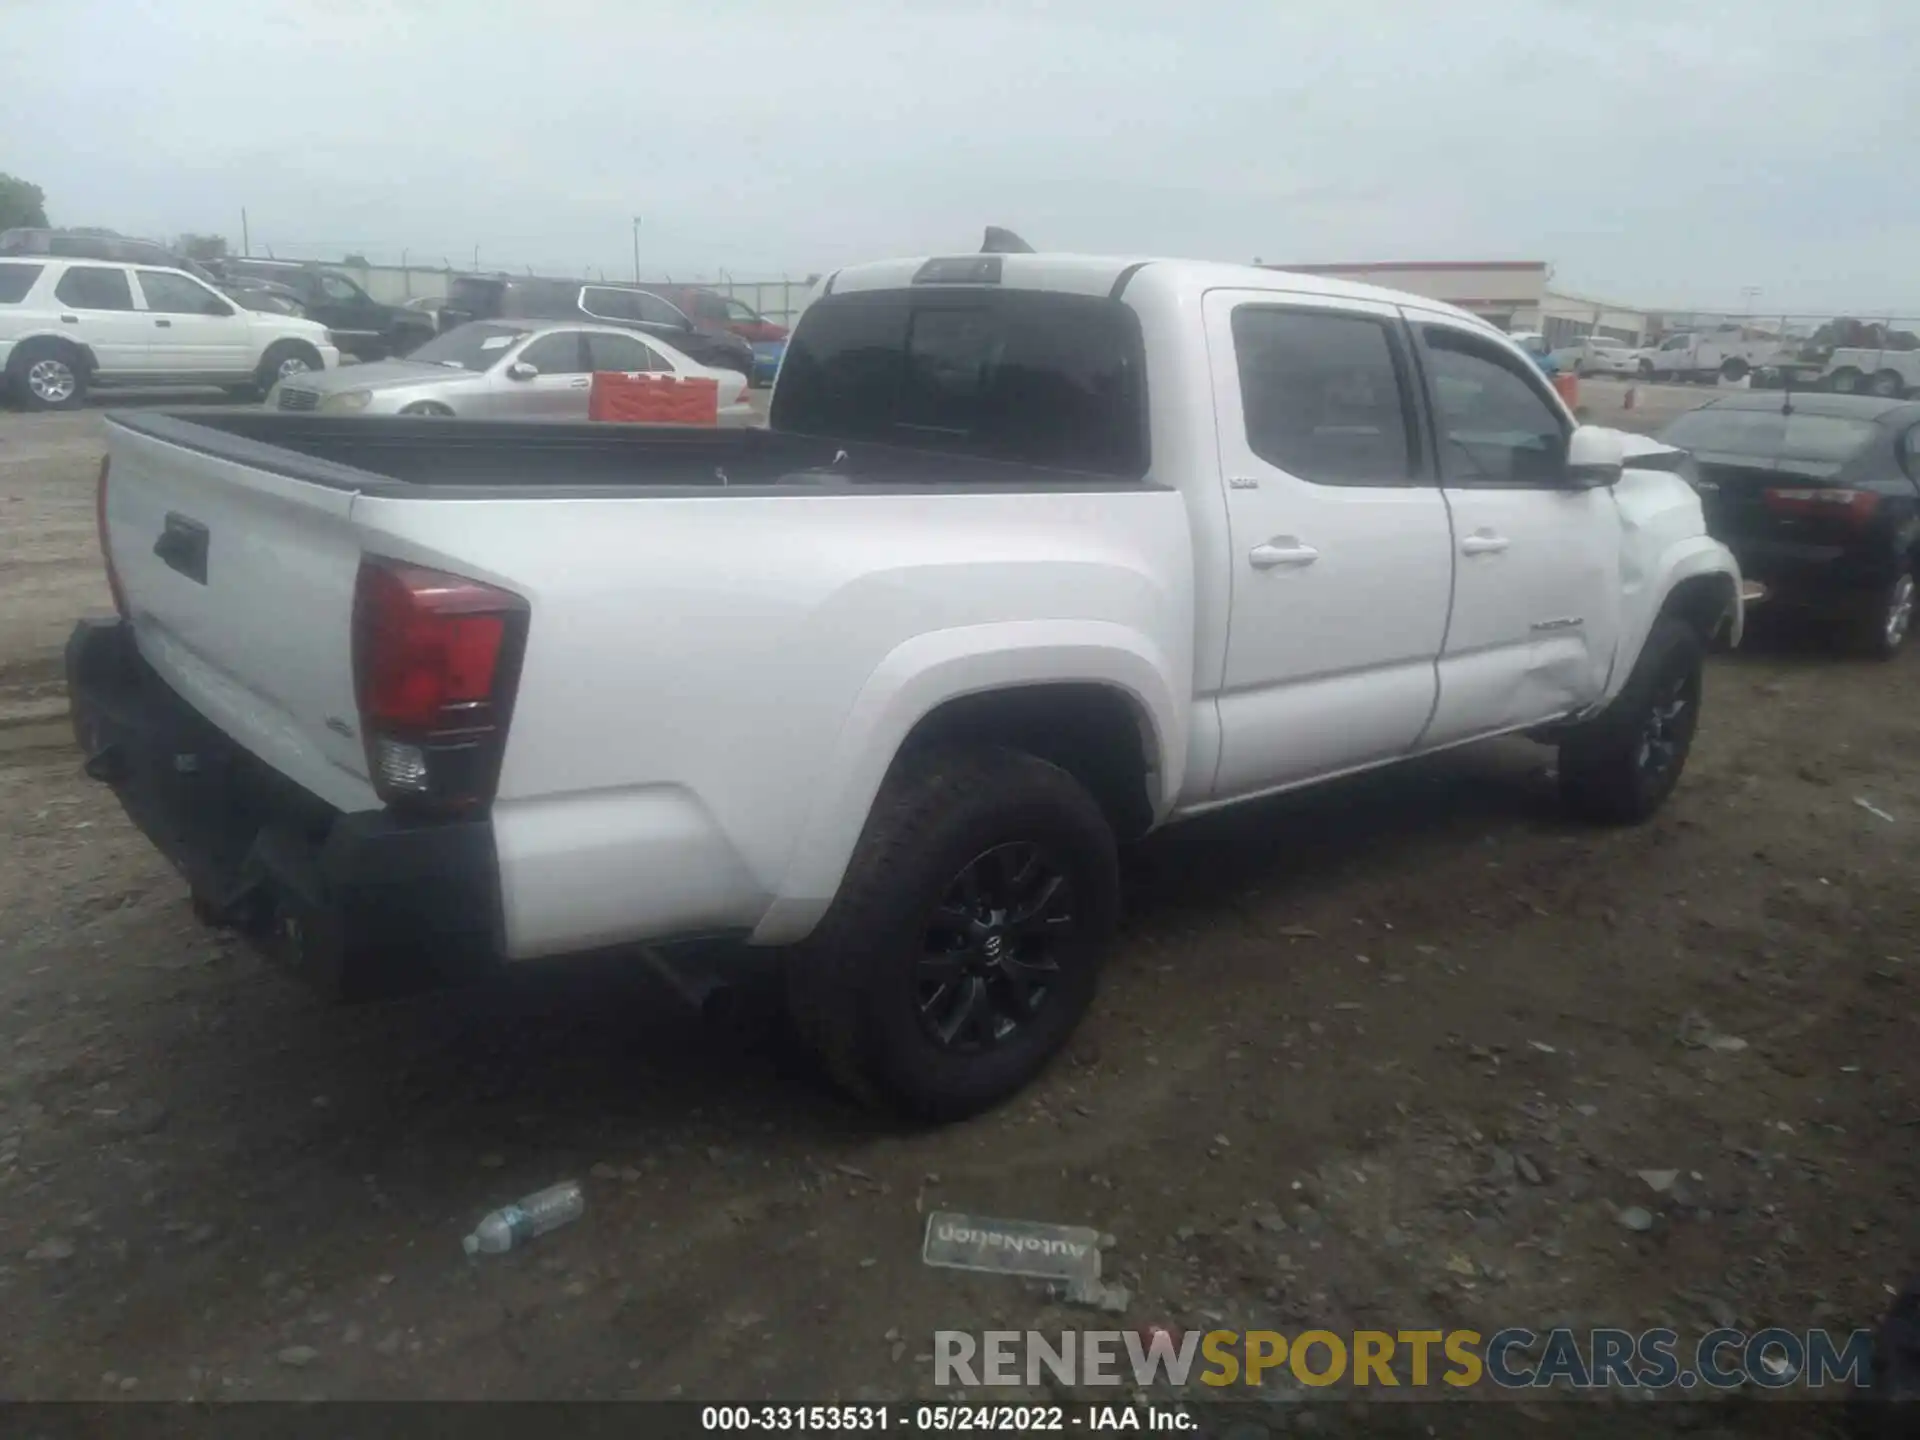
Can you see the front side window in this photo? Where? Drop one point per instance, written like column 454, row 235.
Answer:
column 94, row 287
column 1323, row 395
column 170, row 294
column 556, row 354
column 339, row 289
column 1494, row 425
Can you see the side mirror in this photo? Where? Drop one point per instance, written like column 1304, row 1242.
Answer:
column 521, row 370
column 1595, row 458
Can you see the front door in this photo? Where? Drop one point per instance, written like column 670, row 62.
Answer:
column 559, row 392
column 96, row 310
column 195, row 332
column 1537, row 583
column 1341, row 554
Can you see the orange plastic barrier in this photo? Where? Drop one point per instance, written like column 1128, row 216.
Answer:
column 1568, row 385
column 653, row 399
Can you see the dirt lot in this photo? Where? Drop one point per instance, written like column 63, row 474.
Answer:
column 1387, row 1055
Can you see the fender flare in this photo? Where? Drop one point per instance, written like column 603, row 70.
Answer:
column 1685, row 560
column 923, row 673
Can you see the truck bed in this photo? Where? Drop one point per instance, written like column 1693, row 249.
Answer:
column 424, row 457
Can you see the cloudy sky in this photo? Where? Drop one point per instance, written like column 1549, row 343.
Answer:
column 1657, row 152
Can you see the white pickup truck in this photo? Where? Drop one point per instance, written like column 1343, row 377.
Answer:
column 1727, row 352
column 1038, row 553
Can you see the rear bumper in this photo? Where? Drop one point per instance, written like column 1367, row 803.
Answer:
column 360, row 904
column 1810, row 576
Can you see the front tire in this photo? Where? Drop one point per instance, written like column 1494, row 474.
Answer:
column 1888, row 385
column 1620, row 768
column 1845, row 381
column 49, row 375
column 966, row 940
column 1733, row 369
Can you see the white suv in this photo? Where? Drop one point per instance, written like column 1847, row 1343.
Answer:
column 68, row 325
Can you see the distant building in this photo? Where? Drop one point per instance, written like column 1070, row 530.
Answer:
column 1512, row 294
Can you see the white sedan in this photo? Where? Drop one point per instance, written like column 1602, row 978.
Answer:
column 503, row 370
column 1600, row 355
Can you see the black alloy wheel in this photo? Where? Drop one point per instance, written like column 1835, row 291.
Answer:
column 993, row 947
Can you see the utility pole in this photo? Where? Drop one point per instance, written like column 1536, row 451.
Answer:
column 246, row 242
column 636, row 249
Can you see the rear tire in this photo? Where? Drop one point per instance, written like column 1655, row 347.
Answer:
column 912, row 946
column 1619, row 768
column 429, row 407
column 1733, row 369
column 283, row 360
column 1885, row 622
column 1888, row 385
column 1845, row 381
column 49, row 375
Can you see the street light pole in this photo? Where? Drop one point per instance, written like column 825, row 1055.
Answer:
column 636, row 249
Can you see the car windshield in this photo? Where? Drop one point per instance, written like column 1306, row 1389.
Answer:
column 1771, row 435
column 475, row 347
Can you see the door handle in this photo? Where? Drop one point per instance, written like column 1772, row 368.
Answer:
column 1281, row 550
column 581, row 385
column 164, row 324
column 1484, row 542
column 69, row 319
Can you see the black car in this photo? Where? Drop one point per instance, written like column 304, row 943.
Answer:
column 362, row 326
column 1818, row 497
column 511, row 297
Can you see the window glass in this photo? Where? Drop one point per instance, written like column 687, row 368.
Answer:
column 655, row 311
column 622, row 352
column 1770, row 435
column 16, row 281
column 741, row 313
column 556, row 354
column 609, row 304
column 1322, row 396
column 1012, row 375
column 94, row 287
column 1495, row 426
column 338, row 288
column 476, row 347
column 177, row 295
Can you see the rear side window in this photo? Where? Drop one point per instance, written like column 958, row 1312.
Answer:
column 1002, row 374
column 16, row 281
column 622, row 352
column 1325, row 396
column 94, row 287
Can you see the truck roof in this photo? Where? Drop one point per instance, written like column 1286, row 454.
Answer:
column 1101, row 274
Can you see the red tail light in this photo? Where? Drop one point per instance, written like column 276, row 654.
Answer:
column 1853, row 505
column 436, row 661
column 106, row 542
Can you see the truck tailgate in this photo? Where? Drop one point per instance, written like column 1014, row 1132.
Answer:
column 239, row 586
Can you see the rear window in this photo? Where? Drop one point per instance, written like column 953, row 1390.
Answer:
column 1029, row 376
column 16, row 281
column 1768, row 434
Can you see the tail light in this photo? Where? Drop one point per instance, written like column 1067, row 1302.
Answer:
column 106, row 540
column 1852, row 505
column 436, row 662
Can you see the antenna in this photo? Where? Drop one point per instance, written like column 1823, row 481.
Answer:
column 1004, row 242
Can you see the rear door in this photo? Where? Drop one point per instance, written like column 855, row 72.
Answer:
column 95, row 306
column 195, row 332
column 239, row 587
column 1341, row 551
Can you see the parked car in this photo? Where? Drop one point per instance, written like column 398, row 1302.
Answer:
column 265, row 295
column 431, row 306
column 887, row 683
column 70, row 325
column 1727, row 352
column 1536, row 348
column 711, row 310
column 364, row 327
column 1818, row 496
column 1599, row 355
column 1888, row 374
column 508, row 297
column 502, row 370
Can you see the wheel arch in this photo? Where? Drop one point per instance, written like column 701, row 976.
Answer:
column 1095, row 698
column 54, row 337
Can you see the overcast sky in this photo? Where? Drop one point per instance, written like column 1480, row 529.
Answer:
column 1653, row 151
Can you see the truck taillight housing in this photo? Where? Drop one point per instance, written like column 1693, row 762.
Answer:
column 106, row 540
column 1855, row 505
column 436, row 662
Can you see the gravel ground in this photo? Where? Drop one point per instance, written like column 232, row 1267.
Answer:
column 1386, row 1055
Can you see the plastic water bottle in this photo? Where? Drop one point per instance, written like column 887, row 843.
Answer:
column 535, row 1215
